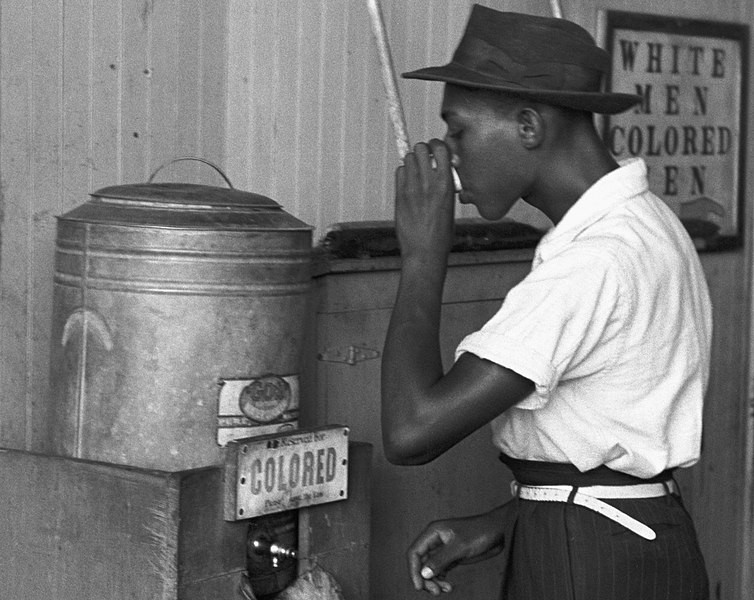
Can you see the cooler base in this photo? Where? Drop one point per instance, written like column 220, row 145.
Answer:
column 73, row 529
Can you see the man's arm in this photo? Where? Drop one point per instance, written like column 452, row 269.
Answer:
column 424, row 410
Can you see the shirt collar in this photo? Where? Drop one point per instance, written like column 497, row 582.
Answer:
column 611, row 190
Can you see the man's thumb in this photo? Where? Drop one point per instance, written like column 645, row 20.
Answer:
column 442, row 561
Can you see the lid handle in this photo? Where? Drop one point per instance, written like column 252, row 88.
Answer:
column 202, row 160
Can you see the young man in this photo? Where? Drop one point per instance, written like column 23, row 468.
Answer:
column 593, row 371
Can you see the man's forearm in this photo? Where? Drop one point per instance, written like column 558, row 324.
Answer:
column 411, row 361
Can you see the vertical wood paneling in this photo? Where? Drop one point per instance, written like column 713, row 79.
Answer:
column 332, row 29
column 76, row 110
column 287, row 96
column 15, row 157
column 261, row 102
column 744, row 12
column 213, row 50
column 135, row 108
column 407, row 32
column 91, row 94
column 286, row 72
column 45, row 185
column 166, row 90
column 64, row 31
column 357, row 144
column 237, row 122
column 308, row 146
column 186, row 87
column 106, row 76
column 722, row 457
column 307, row 117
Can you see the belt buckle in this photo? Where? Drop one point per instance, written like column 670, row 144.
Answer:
column 515, row 487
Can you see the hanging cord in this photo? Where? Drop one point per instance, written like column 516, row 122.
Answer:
column 395, row 107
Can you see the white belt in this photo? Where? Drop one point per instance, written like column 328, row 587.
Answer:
column 589, row 497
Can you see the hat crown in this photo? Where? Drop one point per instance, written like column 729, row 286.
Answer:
column 529, row 35
column 519, row 47
column 546, row 59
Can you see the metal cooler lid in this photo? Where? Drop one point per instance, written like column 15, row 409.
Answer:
column 183, row 196
column 183, row 205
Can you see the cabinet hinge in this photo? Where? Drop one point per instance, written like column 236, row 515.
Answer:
column 348, row 354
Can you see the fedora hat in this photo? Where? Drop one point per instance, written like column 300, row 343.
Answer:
column 547, row 60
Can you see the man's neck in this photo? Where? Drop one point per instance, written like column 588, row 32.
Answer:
column 569, row 173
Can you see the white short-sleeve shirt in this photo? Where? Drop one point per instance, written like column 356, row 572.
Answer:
column 613, row 325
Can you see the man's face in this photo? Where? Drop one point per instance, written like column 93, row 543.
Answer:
column 483, row 139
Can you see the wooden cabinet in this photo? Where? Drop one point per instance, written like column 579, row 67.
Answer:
column 74, row 529
column 353, row 304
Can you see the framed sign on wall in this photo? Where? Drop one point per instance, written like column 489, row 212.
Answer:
column 690, row 126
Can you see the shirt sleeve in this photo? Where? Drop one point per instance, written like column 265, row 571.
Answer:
column 562, row 321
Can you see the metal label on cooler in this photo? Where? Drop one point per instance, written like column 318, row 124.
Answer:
column 274, row 473
column 257, row 406
column 265, row 399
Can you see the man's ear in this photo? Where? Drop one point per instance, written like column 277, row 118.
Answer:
column 531, row 127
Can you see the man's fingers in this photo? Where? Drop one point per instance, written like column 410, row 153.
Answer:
column 432, row 157
column 418, row 551
column 435, row 585
column 440, row 154
column 428, row 557
column 423, row 153
column 440, row 561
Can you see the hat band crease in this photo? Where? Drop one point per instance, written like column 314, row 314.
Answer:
column 482, row 58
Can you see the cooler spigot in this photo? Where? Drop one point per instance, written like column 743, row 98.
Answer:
column 262, row 545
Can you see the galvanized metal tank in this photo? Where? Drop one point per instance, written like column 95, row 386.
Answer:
column 178, row 320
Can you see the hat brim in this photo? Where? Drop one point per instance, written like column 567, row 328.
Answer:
column 606, row 103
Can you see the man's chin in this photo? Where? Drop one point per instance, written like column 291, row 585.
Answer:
column 489, row 215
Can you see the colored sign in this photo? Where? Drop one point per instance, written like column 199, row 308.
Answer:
column 689, row 126
column 279, row 472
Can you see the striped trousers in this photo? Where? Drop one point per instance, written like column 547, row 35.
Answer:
column 560, row 551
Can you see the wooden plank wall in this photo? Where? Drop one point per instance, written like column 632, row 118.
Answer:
column 91, row 94
column 285, row 94
column 307, row 122
column 307, row 119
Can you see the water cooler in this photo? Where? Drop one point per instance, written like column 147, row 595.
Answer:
column 176, row 467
